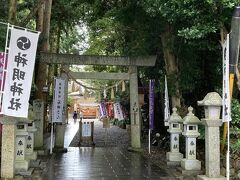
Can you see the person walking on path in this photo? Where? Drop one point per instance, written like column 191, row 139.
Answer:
column 75, row 116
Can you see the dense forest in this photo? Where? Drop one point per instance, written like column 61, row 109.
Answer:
column 185, row 35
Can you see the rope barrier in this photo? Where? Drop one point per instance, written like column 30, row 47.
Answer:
column 87, row 87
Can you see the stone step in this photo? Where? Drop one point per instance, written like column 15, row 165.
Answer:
column 37, row 174
column 24, row 172
column 43, row 165
column 35, row 163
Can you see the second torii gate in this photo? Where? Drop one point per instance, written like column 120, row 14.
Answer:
column 131, row 62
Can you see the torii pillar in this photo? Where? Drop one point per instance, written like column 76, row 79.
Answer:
column 134, row 110
column 60, row 127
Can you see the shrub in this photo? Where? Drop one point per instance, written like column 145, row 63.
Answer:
column 235, row 113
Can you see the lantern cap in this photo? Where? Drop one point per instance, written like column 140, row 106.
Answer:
column 190, row 118
column 236, row 12
column 175, row 117
column 211, row 99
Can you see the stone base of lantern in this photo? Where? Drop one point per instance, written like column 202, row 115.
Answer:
column 190, row 167
column 24, row 172
column 188, row 164
column 190, row 172
column 41, row 151
column 204, row 177
column 174, row 158
column 31, row 156
column 132, row 149
column 22, row 165
column 60, row 150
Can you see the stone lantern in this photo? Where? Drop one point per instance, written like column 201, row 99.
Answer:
column 212, row 103
column 175, row 128
column 190, row 165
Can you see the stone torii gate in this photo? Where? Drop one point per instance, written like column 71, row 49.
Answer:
column 131, row 62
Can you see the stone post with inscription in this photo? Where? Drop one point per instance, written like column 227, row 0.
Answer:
column 190, row 165
column 21, row 135
column 212, row 103
column 30, row 153
column 8, row 146
column 38, row 110
column 175, row 128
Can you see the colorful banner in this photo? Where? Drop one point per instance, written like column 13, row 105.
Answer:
column 3, row 72
column 226, row 112
column 3, row 69
column 151, row 103
column 21, row 60
column 58, row 100
column 103, row 110
column 166, row 105
column 118, row 113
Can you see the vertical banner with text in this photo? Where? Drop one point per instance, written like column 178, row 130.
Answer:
column 103, row 110
column 151, row 104
column 118, row 111
column 58, row 100
column 21, row 61
column 226, row 112
column 166, row 105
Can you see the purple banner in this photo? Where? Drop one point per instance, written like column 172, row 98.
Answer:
column 3, row 68
column 103, row 110
column 151, row 103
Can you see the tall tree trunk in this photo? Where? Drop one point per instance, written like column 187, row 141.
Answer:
column 40, row 18
column 33, row 12
column 12, row 11
column 171, row 65
column 41, row 76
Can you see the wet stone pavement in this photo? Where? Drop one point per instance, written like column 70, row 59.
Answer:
column 95, row 163
column 102, row 163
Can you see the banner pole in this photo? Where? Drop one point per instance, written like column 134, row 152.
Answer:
column 149, row 143
column 5, row 56
column 53, row 116
column 228, row 153
column 51, row 145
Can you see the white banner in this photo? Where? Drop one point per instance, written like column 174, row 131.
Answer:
column 166, row 105
column 21, row 60
column 58, row 100
column 118, row 111
column 226, row 112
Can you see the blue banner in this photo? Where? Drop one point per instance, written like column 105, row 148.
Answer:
column 151, row 104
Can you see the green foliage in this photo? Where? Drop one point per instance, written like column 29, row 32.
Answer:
column 235, row 125
column 70, row 100
column 3, row 32
column 235, row 113
column 3, row 18
column 234, row 140
column 191, row 19
column 235, row 146
column 72, row 41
